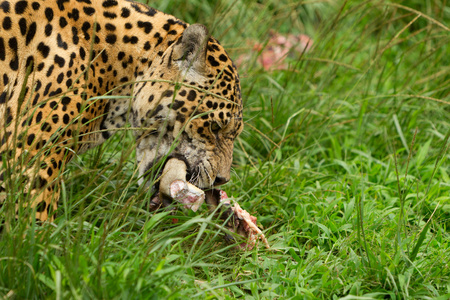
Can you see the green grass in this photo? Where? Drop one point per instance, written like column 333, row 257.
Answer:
column 344, row 160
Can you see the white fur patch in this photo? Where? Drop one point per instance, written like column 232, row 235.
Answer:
column 189, row 73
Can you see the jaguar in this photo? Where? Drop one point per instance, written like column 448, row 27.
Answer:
column 74, row 72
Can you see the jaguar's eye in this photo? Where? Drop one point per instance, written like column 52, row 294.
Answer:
column 215, row 127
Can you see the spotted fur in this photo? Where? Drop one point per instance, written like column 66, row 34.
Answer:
column 59, row 59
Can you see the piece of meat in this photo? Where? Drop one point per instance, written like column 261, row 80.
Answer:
column 174, row 185
column 240, row 221
column 249, row 226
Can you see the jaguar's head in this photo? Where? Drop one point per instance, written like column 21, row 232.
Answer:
column 188, row 105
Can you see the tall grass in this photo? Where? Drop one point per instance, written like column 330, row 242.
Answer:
column 344, row 160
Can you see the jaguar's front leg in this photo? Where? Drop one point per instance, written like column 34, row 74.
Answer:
column 31, row 186
column 45, row 203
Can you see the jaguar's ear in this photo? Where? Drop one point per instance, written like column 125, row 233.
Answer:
column 190, row 49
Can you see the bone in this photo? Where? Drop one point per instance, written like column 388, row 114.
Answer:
column 174, row 185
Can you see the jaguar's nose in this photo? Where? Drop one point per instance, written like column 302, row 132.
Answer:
column 220, row 180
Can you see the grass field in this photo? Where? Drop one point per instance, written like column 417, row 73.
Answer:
column 344, row 160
